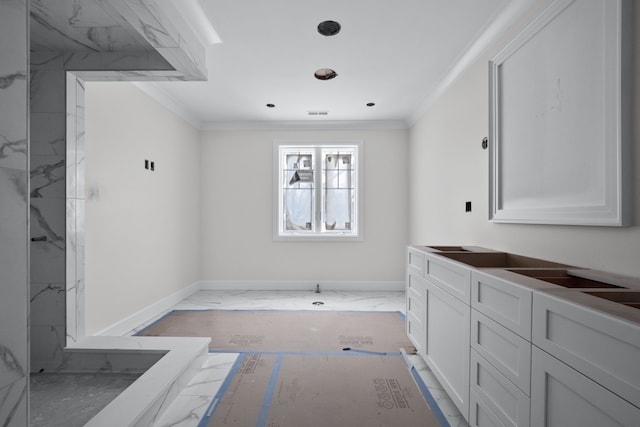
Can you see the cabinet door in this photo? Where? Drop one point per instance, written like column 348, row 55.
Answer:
column 416, row 311
column 563, row 397
column 497, row 395
column 447, row 346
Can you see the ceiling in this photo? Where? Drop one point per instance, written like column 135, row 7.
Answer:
column 394, row 54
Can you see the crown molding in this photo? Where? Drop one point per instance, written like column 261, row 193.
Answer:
column 514, row 10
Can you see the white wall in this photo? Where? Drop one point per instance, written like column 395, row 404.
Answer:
column 142, row 227
column 449, row 167
column 237, row 199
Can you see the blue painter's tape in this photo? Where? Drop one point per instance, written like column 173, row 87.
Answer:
column 268, row 397
column 223, row 389
column 430, row 400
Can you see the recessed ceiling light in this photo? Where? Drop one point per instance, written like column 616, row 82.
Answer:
column 329, row 28
column 325, row 74
column 271, row 105
column 370, row 104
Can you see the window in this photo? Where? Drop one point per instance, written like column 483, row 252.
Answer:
column 318, row 194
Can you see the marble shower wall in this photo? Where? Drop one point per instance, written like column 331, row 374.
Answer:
column 70, row 45
column 48, row 210
column 14, row 178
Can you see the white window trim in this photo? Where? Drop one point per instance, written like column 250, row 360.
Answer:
column 318, row 237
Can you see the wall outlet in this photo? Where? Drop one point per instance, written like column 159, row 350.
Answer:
column 467, row 206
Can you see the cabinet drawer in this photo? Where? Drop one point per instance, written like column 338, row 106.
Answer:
column 563, row 397
column 449, row 275
column 604, row 347
column 507, row 303
column 508, row 352
column 497, row 394
column 415, row 261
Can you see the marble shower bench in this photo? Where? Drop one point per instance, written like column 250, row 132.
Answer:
column 168, row 364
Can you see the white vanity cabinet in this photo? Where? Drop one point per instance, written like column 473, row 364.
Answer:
column 515, row 350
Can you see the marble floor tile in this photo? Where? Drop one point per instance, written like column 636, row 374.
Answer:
column 192, row 403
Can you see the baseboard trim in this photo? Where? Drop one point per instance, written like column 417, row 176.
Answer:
column 136, row 319
column 279, row 285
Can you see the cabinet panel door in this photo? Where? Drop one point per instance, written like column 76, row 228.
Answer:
column 447, row 347
column 499, row 395
column 505, row 350
column 451, row 276
column 505, row 302
column 563, row 397
column 604, row 347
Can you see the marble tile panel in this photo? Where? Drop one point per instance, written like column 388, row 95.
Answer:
column 47, row 176
column 48, row 28
column 48, row 302
column 209, row 378
column 150, row 23
column 13, row 404
column 186, row 411
column 13, row 280
column 47, row 345
column 125, row 61
column 13, row 26
column 109, row 362
column 182, row 62
column 132, row 76
column 46, row 60
column 111, row 38
column 48, row 94
column 74, row 239
column 70, row 313
column 188, row 408
column 13, row 87
column 48, row 258
column 154, row 412
column 48, row 133
column 13, row 120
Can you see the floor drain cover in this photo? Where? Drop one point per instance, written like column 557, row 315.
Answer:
column 318, row 303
